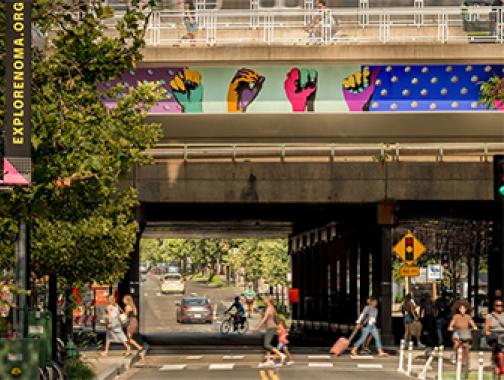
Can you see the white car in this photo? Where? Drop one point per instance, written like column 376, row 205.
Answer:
column 172, row 283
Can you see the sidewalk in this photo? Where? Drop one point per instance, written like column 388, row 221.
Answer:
column 108, row 368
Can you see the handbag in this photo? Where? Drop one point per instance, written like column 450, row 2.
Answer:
column 416, row 328
column 123, row 318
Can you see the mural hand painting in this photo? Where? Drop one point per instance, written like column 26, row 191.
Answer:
column 359, row 88
column 301, row 88
column 243, row 89
column 187, row 88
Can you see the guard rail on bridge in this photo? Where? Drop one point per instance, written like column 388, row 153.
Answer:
column 474, row 152
column 332, row 26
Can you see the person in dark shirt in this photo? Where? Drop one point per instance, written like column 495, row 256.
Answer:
column 442, row 314
column 239, row 316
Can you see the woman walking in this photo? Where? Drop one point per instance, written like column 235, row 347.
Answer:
column 367, row 321
column 412, row 325
column 115, row 333
column 271, row 330
column 190, row 22
column 132, row 313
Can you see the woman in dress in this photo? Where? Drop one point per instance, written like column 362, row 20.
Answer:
column 115, row 333
column 131, row 311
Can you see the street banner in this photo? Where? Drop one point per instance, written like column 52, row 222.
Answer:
column 17, row 144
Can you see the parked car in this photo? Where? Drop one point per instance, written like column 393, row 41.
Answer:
column 194, row 309
column 144, row 268
column 172, row 283
column 159, row 270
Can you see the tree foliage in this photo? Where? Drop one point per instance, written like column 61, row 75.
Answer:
column 81, row 221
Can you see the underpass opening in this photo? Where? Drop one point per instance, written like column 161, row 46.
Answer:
column 339, row 255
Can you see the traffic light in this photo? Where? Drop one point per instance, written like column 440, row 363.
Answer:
column 499, row 177
column 409, row 249
column 445, row 261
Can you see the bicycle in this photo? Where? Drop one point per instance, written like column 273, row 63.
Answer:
column 232, row 325
column 464, row 346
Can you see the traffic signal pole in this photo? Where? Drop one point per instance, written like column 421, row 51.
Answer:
column 22, row 280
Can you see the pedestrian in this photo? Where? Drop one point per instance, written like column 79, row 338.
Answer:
column 410, row 316
column 269, row 321
column 442, row 316
column 132, row 313
column 250, row 296
column 461, row 324
column 283, row 341
column 427, row 318
column 367, row 322
column 190, row 22
column 494, row 327
column 115, row 333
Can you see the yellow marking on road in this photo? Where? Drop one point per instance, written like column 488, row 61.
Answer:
column 270, row 375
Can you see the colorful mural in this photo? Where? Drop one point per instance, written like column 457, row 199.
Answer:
column 318, row 88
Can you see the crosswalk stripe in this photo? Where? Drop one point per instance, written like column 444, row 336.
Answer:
column 320, row 365
column 370, row 366
column 362, row 357
column 194, row 357
column 319, row 357
column 233, row 357
column 173, row 367
column 226, row 367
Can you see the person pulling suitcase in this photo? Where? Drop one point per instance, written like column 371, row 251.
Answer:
column 367, row 324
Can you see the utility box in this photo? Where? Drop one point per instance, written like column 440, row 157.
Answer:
column 40, row 328
column 19, row 359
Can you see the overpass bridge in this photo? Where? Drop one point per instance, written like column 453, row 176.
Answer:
column 395, row 139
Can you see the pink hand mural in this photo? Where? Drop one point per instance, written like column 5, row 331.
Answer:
column 358, row 89
column 301, row 87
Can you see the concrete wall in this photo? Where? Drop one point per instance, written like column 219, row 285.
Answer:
column 178, row 182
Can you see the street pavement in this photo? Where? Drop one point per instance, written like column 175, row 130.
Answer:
column 159, row 310
column 245, row 366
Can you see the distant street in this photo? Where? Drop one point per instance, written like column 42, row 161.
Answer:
column 159, row 310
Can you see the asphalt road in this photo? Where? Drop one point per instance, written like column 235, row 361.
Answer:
column 245, row 366
column 159, row 310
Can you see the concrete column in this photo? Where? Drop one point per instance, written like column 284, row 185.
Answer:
column 333, row 294
column 385, row 294
column 324, row 296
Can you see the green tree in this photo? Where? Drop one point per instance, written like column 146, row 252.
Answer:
column 82, row 223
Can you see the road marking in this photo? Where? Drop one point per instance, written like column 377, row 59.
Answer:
column 233, row 357
column 319, row 357
column 370, row 366
column 226, row 367
column 270, row 375
column 173, row 367
column 362, row 357
column 320, row 365
column 194, row 357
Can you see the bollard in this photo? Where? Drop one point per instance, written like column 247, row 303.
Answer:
column 401, row 356
column 440, row 363
column 423, row 375
column 410, row 358
column 481, row 366
column 458, row 372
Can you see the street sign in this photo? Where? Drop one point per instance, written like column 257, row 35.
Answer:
column 434, row 272
column 409, row 249
column 409, row 271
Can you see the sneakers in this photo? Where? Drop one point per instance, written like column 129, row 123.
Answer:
column 268, row 363
column 283, row 358
column 421, row 346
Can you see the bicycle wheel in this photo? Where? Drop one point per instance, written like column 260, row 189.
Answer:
column 226, row 327
column 242, row 329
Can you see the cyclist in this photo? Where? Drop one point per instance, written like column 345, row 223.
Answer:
column 494, row 328
column 239, row 315
column 460, row 325
column 250, row 296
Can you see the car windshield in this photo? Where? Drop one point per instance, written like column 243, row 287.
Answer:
column 195, row 302
column 173, row 277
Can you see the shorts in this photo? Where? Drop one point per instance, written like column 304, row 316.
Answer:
column 249, row 301
column 408, row 320
column 282, row 346
column 462, row 335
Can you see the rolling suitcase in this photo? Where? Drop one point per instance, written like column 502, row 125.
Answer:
column 342, row 344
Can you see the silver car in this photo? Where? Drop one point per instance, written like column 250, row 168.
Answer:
column 194, row 309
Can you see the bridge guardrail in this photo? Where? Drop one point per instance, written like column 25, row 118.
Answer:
column 376, row 152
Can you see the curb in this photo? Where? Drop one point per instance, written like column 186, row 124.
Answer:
column 122, row 367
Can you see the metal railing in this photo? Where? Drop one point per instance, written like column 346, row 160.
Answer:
column 470, row 152
column 333, row 26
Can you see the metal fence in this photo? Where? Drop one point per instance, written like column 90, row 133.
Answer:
column 469, row 152
column 332, row 26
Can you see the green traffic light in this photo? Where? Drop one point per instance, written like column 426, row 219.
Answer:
column 501, row 190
